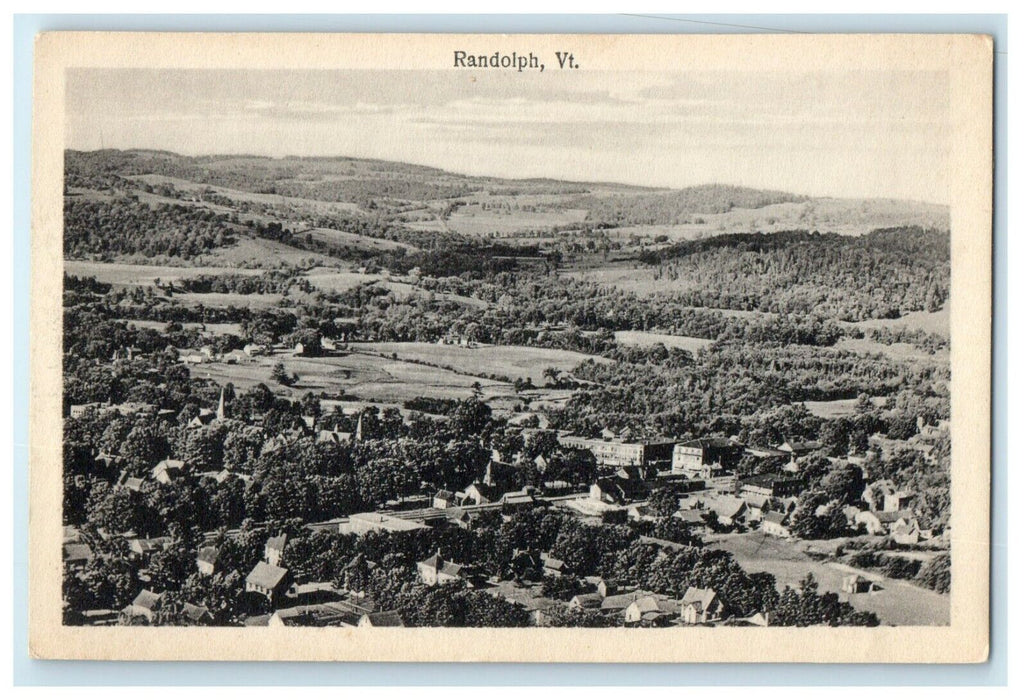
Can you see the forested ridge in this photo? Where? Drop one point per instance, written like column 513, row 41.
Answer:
column 882, row 274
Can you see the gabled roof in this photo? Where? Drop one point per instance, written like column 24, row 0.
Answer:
column 147, row 600
column 195, row 612
column 889, row 517
column 773, row 516
column 266, row 576
column 728, row 506
column 278, row 542
column 386, row 618
column 587, row 601
column 654, row 603
column 443, row 493
column 702, row 598
column 552, row 563
column 442, row 566
column 77, row 552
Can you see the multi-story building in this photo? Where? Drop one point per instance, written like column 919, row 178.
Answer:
column 654, row 454
column 705, row 457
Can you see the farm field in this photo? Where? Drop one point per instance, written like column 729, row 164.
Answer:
column 899, row 603
column 255, row 301
column 354, row 240
column 216, row 328
column 504, row 360
column 372, row 378
column 895, row 351
column 933, row 322
column 317, row 205
column 645, row 339
column 129, row 274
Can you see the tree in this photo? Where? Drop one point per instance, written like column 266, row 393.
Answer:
column 664, row 502
column 278, row 373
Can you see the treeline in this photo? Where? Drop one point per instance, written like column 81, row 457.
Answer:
column 271, row 282
column 728, row 381
column 123, row 226
column 679, row 207
column 883, row 274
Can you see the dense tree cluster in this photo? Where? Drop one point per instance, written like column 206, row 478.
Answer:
column 879, row 275
column 122, row 226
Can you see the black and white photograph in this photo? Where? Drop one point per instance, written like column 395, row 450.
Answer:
column 517, row 332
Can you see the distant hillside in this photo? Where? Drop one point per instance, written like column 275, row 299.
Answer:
column 414, row 206
column 680, row 206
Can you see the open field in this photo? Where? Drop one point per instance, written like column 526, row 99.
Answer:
column 501, row 360
column 895, row 351
column 476, row 221
column 838, row 409
column 646, row 339
column 372, row 378
column 347, row 238
column 315, row 205
column 128, row 274
column 215, row 328
column 899, row 603
column 254, row 301
column 332, row 279
column 262, row 253
column 934, row 322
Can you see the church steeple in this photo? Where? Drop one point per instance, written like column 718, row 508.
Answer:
column 221, row 405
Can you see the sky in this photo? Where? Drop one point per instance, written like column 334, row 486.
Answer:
column 853, row 134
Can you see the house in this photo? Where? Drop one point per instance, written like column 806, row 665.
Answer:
column 691, row 516
column 606, row 587
column 586, row 601
column 700, row 606
column 196, row 614
column 274, row 548
column 204, row 418
column 774, row 524
column 651, row 610
column 145, row 605
column 168, row 470
column 235, row 357
column 253, row 350
column 858, row 584
column 640, row 512
column 444, row 499
column 616, row 490
column 478, row 494
column 436, row 570
column 129, row 482
column 907, row 531
column 879, row 522
column 798, row 448
column 360, row 523
column 729, row 510
column 386, row 618
column 144, row 547
column 519, row 499
column 77, row 556
column 618, row 603
column 207, row 560
column 268, row 580
column 553, row 566
column 899, row 500
column 334, row 436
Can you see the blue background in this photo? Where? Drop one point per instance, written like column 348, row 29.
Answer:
column 34, row 672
